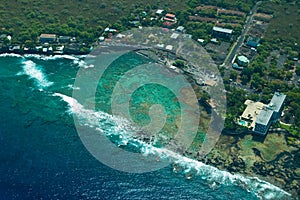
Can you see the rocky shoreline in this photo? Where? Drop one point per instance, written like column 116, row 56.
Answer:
column 229, row 153
column 281, row 171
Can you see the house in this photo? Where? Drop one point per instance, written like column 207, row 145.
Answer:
column 187, row 36
column 159, row 12
column 259, row 117
column 243, row 61
column 169, row 17
column 276, row 104
column 174, row 36
column 47, row 38
column 101, row 39
column 270, row 114
column 222, row 32
column 180, row 29
column 263, row 121
column 169, row 47
column 236, row 66
column 249, row 116
column 64, row 39
column 120, row 36
column 160, row 46
column 200, row 40
column 135, row 23
column 253, row 42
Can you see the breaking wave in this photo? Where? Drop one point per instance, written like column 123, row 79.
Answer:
column 10, row 55
column 34, row 72
column 77, row 60
column 190, row 168
column 54, row 57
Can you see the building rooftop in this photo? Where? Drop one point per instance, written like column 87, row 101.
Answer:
column 277, row 101
column 174, row 36
column 200, row 40
column 258, row 113
column 222, row 30
column 159, row 11
column 169, row 15
column 48, row 36
column 243, row 59
column 253, row 41
column 236, row 66
column 169, row 47
column 180, row 28
column 264, row 116
column 252, row 111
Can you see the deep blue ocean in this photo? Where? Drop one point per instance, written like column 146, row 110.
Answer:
column 42, row 156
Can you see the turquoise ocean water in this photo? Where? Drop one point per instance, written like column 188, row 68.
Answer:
column 42, row 156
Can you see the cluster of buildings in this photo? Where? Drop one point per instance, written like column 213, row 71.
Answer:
column 54, row 44
column 258, row 116
column 49, row 44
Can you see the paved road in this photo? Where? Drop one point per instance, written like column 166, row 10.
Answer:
column 240, row 41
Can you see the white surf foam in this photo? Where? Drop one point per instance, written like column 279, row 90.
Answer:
column 212, row 175
column 70, row 86
column 83, row 64
column 50, row 57
column 10, row 55
column 34, row 72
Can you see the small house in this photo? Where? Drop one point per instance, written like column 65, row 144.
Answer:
column 180, row 29
column 243, row 61
column 170, row 17
column 222, row 32
column 47, row 38
column 159, row 12
column 253, row 42
column 64, row 39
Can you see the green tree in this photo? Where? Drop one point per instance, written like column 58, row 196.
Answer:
column 298, row 70
column 233, row 75
column 179, row 63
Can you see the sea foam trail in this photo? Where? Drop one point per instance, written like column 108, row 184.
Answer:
column 118, row 126
column 10, row 55
column 77, row 60
column 54, row 57
column 34, row 72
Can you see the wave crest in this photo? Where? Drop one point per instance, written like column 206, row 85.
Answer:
column 189, row 167
column 34, row 72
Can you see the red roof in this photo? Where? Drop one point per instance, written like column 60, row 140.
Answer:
column 172, row 16
column 168, row 19
column 167, row 24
